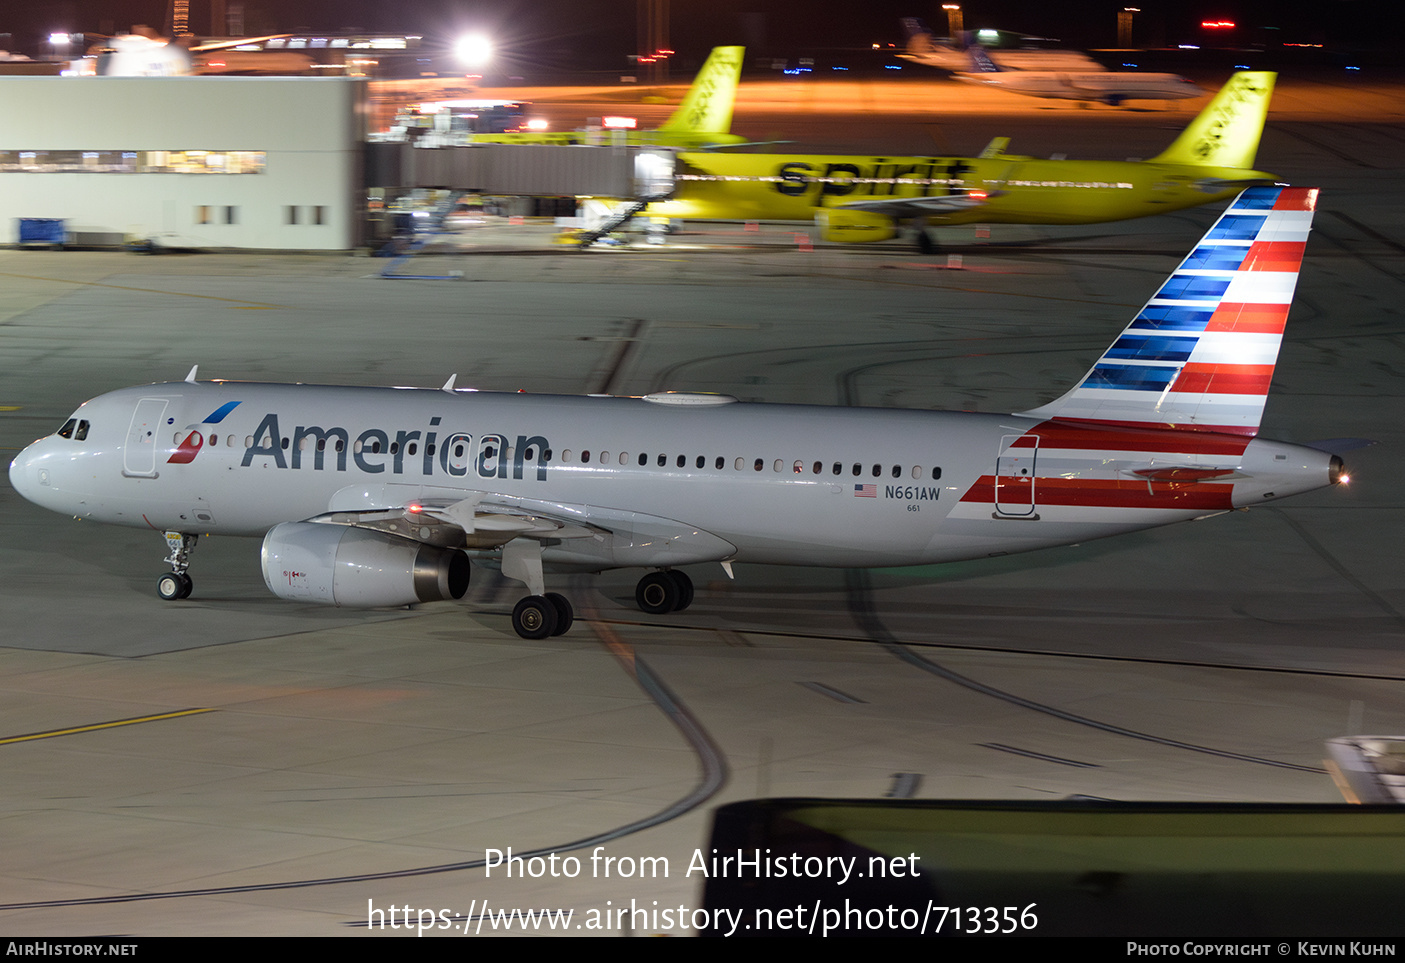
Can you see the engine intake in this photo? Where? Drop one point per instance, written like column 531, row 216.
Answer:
column 340, row 565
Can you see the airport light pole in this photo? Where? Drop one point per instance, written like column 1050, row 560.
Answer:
column 473, row 51
column 954, row 26
column 652, row 39
column 1124, row 26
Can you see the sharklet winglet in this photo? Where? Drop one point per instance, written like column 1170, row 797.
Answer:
column 191, row 377
column 449, row 385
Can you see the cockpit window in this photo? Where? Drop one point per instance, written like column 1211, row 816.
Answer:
column 75, row 429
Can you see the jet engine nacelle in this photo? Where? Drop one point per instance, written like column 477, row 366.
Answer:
column 339, row 565
column 854, row 227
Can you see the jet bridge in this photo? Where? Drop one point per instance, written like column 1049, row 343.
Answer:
column 530, row 170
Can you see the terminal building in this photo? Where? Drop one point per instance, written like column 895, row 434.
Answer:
column 258, row 163
column 199, row 162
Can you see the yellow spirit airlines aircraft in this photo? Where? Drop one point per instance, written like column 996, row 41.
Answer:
column 703, row 119
column 379, row 496
column 861, row 199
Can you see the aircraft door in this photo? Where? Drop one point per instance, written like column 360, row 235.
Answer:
column 139, row 453
column 1014, row 476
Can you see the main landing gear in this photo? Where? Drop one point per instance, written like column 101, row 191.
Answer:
column 539, row 616
column 659, row 593
column 176, row 584
column 542, row 614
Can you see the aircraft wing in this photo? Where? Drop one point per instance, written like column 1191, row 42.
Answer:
column 918, row 206
column 484, row 520
column 237, row 42
column 480, row 520
column 1214, row 185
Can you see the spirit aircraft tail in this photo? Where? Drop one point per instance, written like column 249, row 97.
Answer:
column 1226, row 133
column 1200, row 355
column 707, row 107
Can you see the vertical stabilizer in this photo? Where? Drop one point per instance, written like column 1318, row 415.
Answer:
column 707, row 107
column 919, row 38
column 1226, row 133
column 1200, row 355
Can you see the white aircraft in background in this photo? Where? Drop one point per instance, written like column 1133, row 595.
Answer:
column 930, row 51
column 1106, row 86
column 379, row 496
column 145, row 53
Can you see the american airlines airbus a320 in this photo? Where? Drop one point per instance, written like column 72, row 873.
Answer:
column 379, row 496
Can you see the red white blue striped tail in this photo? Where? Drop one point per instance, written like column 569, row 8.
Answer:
column 1200, row 355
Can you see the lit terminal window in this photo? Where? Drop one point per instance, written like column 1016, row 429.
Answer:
column 202, row 162
column 133, row 162
column 68, row 161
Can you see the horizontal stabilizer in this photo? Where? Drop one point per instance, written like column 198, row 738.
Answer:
column 995, row 148
column 1340, row 446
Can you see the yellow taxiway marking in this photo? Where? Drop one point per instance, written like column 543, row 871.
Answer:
column 101, row 725
column 11, row 407
column 128, row 287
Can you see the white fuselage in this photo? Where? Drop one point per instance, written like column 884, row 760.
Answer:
column 1111, row 86
column 659, row 483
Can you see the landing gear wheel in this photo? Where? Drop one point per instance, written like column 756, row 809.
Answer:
column 564, row 614
column 534, row 617
column 685, row 588
column 173, row 586
column 925, row 244
column 657, row 593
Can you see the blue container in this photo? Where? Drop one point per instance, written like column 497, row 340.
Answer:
column 42, row 230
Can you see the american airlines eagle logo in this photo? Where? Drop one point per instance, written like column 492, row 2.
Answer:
column 194, row 439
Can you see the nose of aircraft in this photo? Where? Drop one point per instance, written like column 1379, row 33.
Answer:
column 22, row 474
column 30, row 476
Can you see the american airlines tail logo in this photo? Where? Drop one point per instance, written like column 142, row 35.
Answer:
column 195, row 440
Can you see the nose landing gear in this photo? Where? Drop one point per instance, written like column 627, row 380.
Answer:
column 176, row 584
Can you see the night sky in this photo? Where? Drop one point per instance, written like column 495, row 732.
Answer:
column 597, row 34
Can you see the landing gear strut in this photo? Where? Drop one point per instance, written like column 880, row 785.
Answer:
column 176, row 584
column 542, row 613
